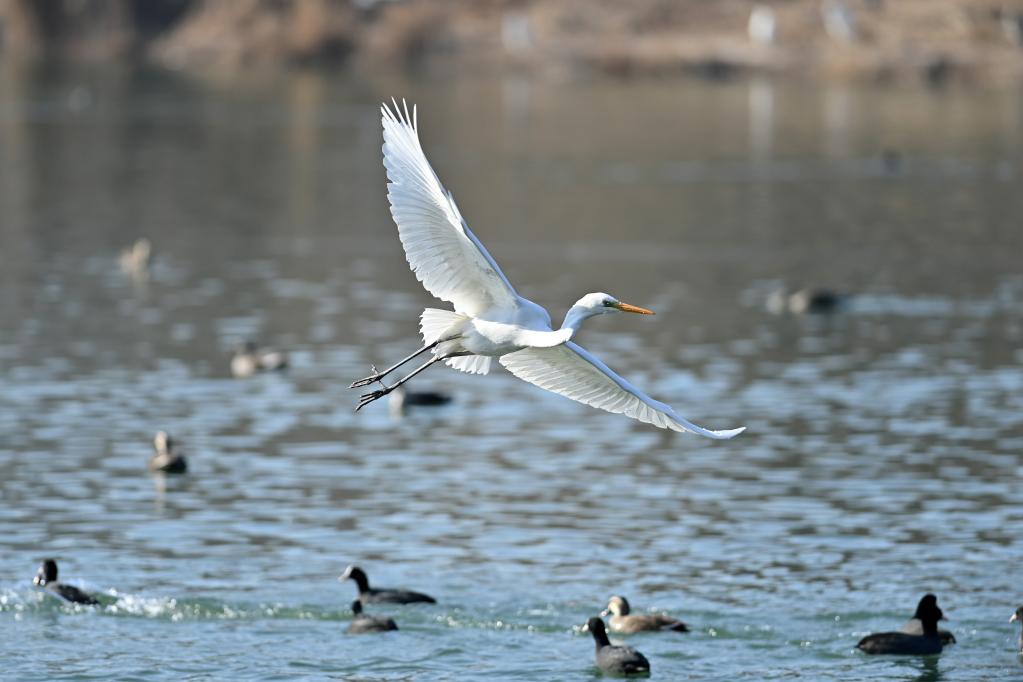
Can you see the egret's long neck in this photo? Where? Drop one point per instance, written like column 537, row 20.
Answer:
column 575, row 317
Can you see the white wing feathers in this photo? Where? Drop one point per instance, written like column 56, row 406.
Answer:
column 440, row 248
column 571, row 371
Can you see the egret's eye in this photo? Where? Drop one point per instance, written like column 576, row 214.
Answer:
column 608, row 302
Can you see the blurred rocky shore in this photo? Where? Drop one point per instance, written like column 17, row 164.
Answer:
column 882, row 40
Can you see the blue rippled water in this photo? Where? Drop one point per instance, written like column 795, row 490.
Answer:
column 883, row 453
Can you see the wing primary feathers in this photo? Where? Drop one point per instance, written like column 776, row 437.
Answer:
column 574, row 373
column 445, row 255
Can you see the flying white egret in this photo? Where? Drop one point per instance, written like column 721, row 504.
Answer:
column 491, row 320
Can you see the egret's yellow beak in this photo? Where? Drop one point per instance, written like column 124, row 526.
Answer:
column 628, row 308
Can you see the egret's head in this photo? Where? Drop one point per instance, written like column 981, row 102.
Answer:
column 599, row 304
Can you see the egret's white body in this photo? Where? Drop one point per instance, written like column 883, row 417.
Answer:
column 490, row 319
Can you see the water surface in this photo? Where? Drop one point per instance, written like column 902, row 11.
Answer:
column 882, row 458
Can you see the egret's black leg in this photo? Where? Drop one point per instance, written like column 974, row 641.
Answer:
column 367, row 398
column 377, row 376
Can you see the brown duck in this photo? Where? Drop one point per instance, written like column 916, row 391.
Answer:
column 624, row 621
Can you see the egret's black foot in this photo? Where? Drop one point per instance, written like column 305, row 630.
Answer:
column 375, row 376
column 367, row 398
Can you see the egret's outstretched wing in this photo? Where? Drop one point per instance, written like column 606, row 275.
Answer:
column 571, row 371
column 441, row 249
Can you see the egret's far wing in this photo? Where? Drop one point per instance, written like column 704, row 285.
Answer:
column 440, row 248
column 571, row 371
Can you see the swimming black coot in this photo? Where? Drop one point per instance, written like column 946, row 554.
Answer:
column 46, row 578
column 369, row 594
column 363, row 622
column 616, row 659
column 926, row 643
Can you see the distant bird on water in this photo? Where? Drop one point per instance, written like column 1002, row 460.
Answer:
column 135, row 259
column 1017, row 615
column 369, row 594
column 401, row 400
column 622, row 620
column 46, row 578
column 807, row 301
column 249, row 359
column 615, row 659
column 490, row 320
column 926, row 643
column 363, row 622
column 165, row 458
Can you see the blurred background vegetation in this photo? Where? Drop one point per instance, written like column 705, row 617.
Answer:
column 933, row 40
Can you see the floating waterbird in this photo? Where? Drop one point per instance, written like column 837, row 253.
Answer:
column 249, row 359
column 914, row 626
column 401, row 400
column 1017, row 615
column 490, row 319
column 926, row 643
column 46, row 578
column 612, row 658
column 369, row 594
column 165, row 458
column 363, row 622
column 812, row 301
column 135, row 259
column 623, row 621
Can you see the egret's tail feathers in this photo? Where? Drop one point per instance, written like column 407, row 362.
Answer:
column 473, row 364
column 436, row 324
